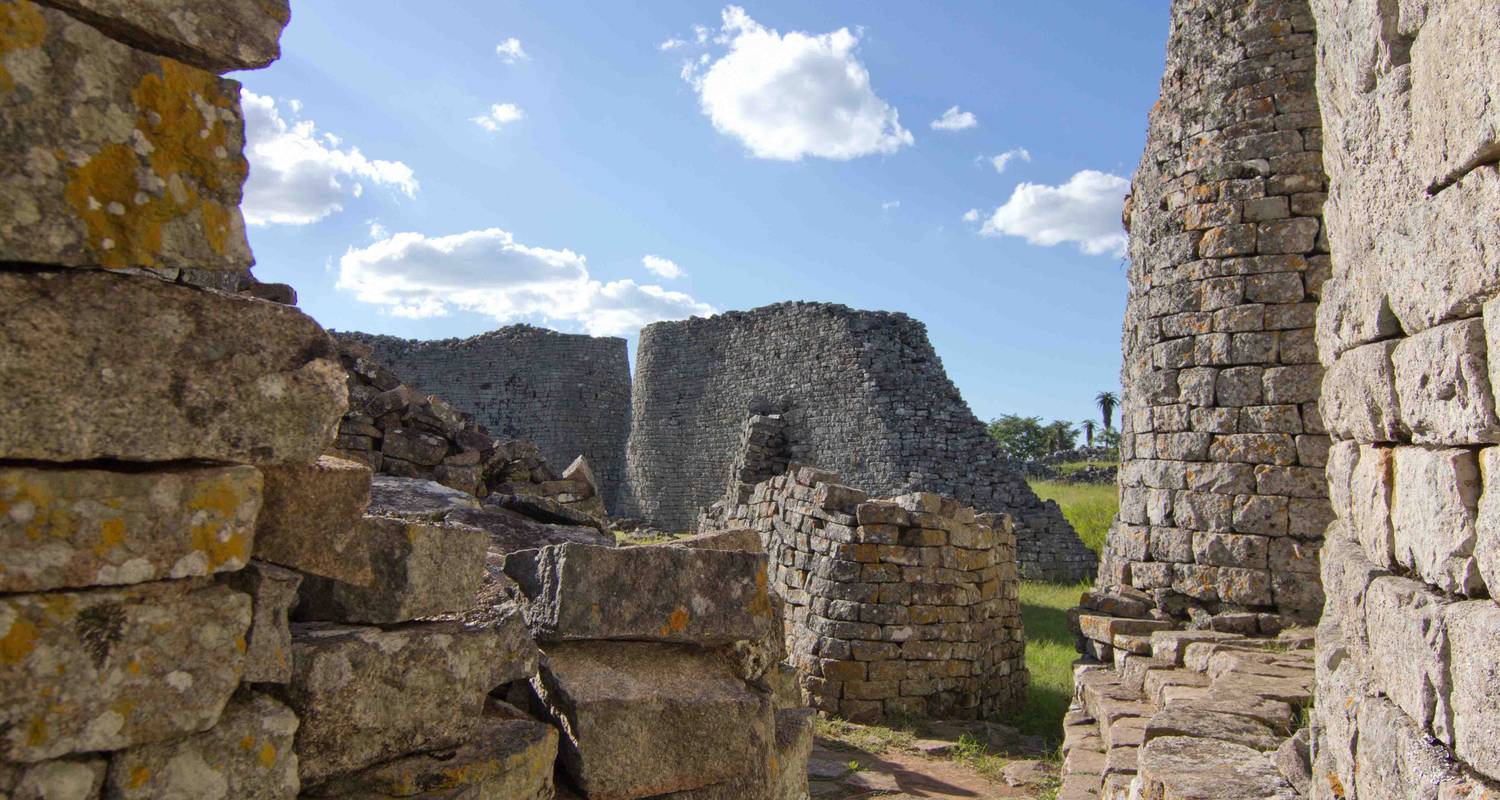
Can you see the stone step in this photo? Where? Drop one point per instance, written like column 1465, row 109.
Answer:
column 1183, row 720
column 1184, row 768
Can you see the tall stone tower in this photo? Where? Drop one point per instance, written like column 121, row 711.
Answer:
column 1222, row 499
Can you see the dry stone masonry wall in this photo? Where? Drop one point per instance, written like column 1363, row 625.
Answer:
column 1409, row 329
column 195, row 601
column 568, row 393
column 862, row 394
column 900, row 607
column 1222, row 498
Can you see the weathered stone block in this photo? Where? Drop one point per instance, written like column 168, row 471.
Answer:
column 247, row 755
column 656, row 593
column 1296, row 384
column 64, row 528
column 207, row 376
column 507, row 756
column 420, row 569
column 273, row 591
column 1254, row 448
column 1433, row 509
column 1409, row 650
column 641, row 719
column 1186, row 768
column 1370, row 493
column 217, row 36
column 1443, row 382
column 111, row 668
column 1175, row 720
column 1359, row 395
column 1230, row 550
column 1474, row 674
column 416, row 498
column 1487, row 523
column 59, row 779
column 310, row 518
column 119, row 158
column 366, row 695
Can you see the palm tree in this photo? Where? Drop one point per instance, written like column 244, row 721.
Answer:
column 1107, row 402
column 1088, row 432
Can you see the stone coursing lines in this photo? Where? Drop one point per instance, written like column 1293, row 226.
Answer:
column 1222, row 500
column 862, row 394
column 568, row 393
column 906, row 606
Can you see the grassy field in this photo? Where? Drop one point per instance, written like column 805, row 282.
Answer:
column 1049, row 645
column 1089, row 507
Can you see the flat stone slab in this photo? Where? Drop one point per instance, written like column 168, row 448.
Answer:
column 1101, row 628
column 273, row 592
column 505, row 757
column 420, row 570
column 118, row 158
column 247, row 755
column 1275, row 713
column 206, row 376
column 366, row 695
column 743, row 540
column 1182, row 768
column 641, row 719
column 653, row 593
column 111, row 668
column 416, row 498
column 1176, row 720
column 310, row 518
column 512, row 532
column 543, row 509
column 72, row 528
column 211, row 34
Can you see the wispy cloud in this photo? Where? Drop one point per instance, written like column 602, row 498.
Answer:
column 499, row 115
column 955, row 120
column 511, row 51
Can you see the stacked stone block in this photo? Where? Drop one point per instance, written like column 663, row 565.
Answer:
column 1222, row 500
column 644, row 669
column 905, row 606
column 1408, row 329
column 862, row 393
column 570, row 394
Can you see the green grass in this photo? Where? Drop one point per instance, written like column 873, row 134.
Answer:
column 1088, row 507
column 1049, row 657
column 1070, row 467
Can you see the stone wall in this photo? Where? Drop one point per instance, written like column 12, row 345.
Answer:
column 862, row 394
column 1222, row 499
column 905, row 606
column 1410, row 638
column 568, row 393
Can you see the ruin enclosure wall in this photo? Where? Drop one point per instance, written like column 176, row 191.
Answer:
column 900, row 607
column 1409, row 329
column 567, row 393
column 862, row 394
column 1222, row 498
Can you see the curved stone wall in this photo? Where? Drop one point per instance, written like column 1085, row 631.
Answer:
column 1410, row 639
column 567, row 393
column 1222, row 499
column 863, row 394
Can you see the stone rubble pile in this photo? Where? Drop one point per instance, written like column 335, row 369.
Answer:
column 398, row 431
column 1189, row 715
column 905, row 606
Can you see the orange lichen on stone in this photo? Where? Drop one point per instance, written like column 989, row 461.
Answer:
column 22, row 27
column 222, row 504
column 267, row 755
column 111, row 534
column 139, row 776
column 178, row 115
column 677, row 621
column 760, row 604
column 18, row 642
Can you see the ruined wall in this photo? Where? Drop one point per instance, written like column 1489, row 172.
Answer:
column 1222, row 499
column 1409, row 327
column 568, row 393
column 907, row 606
column 863, row 395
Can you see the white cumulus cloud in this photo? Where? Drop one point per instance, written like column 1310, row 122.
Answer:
column 794, row 95
column 511, row 51
column 299, row 175
column 1085, row 211
column 662, row 267
column 490, row 273
column 499, row 115
column 1003, row 160
column 955, row 120
column 972, row 215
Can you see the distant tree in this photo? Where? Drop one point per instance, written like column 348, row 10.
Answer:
column 1110, row 440
column 1061, row 435
column 1020, row 438
column 1107, row 402
column 1088, row 432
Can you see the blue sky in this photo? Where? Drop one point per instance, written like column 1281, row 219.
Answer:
column 443, row 171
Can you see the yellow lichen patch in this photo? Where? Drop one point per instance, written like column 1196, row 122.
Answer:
column 231, row 549
column 139, row 776
column 18, row 642
column 22, row 27
column 677, row 622
column 760, row 604
column 179, row 115
column 240, row 643
column 247, row 743
column 36, row 732
column 267, row 755
column 111, row 534
column 222, row 500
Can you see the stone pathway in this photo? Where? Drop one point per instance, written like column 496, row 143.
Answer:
column 924, row 768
